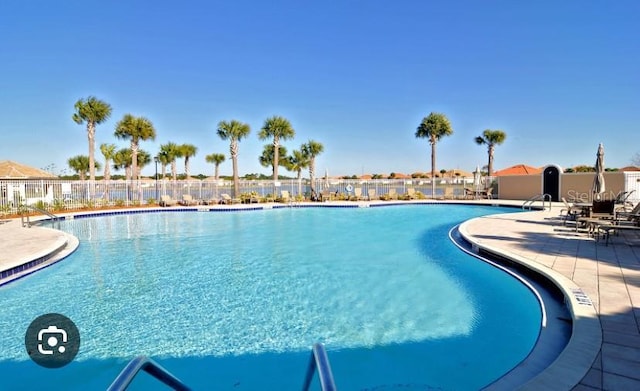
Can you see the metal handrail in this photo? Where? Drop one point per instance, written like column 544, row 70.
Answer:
column 146, row 364
column 320, row 362
column 51, row 216
column 539, row 197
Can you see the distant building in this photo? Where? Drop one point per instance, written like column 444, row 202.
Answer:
column 12, row 170
column 518, row 169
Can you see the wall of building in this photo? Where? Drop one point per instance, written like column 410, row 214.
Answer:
column 519, row 187
column 573, row 186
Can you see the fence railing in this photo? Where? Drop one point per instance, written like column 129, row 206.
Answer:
column 57, row 195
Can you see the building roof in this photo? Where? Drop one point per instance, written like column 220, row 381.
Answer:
column 518, row 169
column 630, row 168
column 12, row 170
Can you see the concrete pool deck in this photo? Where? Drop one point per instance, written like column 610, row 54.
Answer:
column 608, row 275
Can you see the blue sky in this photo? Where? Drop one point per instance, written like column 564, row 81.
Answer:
column 357, row 76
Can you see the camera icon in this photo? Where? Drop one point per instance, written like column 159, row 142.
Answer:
column 52, row 340
column 48, row 340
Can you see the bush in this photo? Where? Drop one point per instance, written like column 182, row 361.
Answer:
column 119, row 203
column 151, row 201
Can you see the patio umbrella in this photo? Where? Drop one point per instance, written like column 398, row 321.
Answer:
column 598, row 182
column 476, row 178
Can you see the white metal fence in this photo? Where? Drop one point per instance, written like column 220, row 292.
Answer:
column 59, row 195
column 632, row 184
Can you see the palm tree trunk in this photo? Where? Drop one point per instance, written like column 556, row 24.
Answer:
column 186, row 167
column 107, row 177
column 299, row 181
column 234, row 159
column 216, row 172
column 276, row 157
column 312, row 174
column 91, row 135
column 490, row 166
column 433, row 167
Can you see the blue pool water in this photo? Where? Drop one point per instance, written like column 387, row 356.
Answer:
column 236, row 300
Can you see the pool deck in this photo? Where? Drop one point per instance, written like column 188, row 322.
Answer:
column 604, row 351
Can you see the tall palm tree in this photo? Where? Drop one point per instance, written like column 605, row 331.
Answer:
column 93, row 111
column 163, row 159
column 80, row 164
column 217, row 159
column 187, row 151
column 144, row 159
column 297, row 162
column 234, row 131
column 312, row 149
column 169, row 152
column 491, row 138
column 122, row 160
column 108, row 151
column 434, row 127
column 278, row 128
column 135, row 129
column 267, row 157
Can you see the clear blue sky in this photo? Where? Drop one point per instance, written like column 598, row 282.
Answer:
column 358, row 76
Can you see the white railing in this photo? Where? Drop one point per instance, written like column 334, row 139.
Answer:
column 57, row 195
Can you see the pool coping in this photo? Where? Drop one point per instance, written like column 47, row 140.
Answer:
column 578, row 356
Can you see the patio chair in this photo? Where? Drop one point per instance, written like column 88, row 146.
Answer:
column 325, row 195
column 392, row 194
column 371, row 194
column 571, row 212
column 448, row 193
column 226, row 199
column 411, row 193
column 632, row 216
column 187, row 200
column 166, row 200
column 488, row 194
column 284, row 196
column 357, row 193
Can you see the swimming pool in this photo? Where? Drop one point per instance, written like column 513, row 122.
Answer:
column 235, row 300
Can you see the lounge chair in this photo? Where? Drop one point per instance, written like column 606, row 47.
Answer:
column 632, row 216
column 571, row 212
column 392, row 194
column 187, row 200
column 325, row 195
column 226, row 199
column 166, row 200
column 371, row 194
column 411, row 193
column 284, row 196
column 357, row 193
column 448, row 193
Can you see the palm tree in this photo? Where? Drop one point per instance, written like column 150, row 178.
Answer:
column 135, row 129
column 169, row 152
column 278, row 128
column 93, row 111
column 234, row 131
column 187, row 151
column 144, row 159
column 434, row 127
column 491, row 138
column 80, row 164
column 108, row 151
column 312, row 149
column 122, row 160
column 267, row 157
column 217, row 159
column 163, row 159
column 297, row 162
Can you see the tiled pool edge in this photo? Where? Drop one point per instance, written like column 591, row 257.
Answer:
column 585, row 343
column 61, row 250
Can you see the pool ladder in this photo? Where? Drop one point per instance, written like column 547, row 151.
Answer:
column 319, row 363
column 528, row 204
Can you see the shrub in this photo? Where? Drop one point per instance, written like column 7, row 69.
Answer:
column 119, row 203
